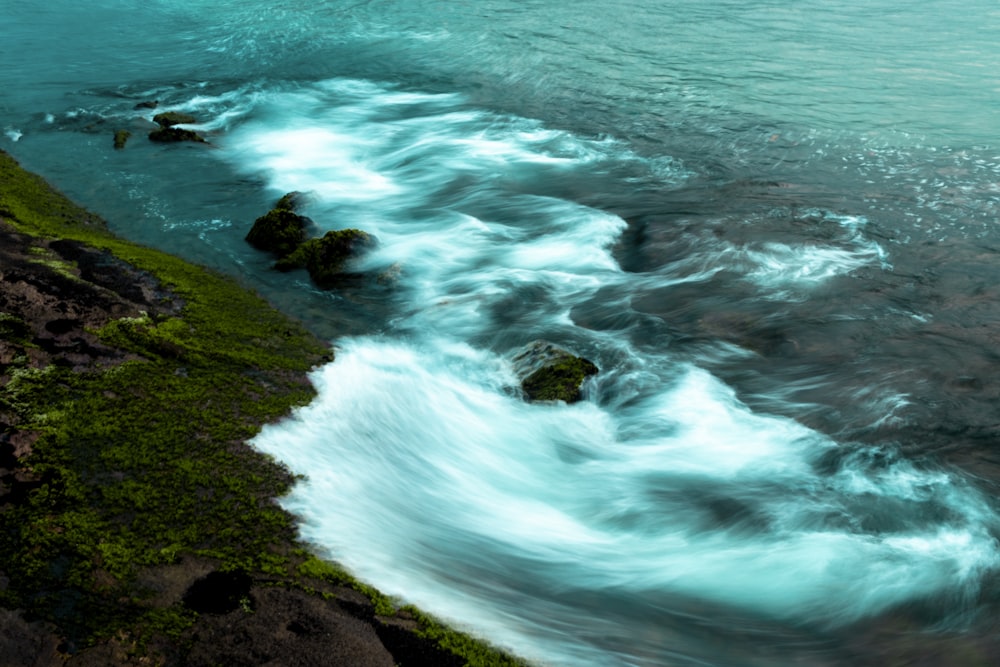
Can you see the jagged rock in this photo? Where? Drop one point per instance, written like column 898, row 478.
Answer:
column 325, row 257
column 280, row 231
column 550, row 373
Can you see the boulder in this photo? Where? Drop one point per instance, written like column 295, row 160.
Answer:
column 550, row 373
column 171, row 118
column 325, row 258
column 280, row 231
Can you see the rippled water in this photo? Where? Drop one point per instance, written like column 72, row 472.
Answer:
column 772, row 226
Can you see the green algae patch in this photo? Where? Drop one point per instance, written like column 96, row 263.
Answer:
column 559, row 381
column 121, row 138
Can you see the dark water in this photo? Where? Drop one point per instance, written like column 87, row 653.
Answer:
column 772, row 225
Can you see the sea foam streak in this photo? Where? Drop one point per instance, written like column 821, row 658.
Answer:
column 663, row 493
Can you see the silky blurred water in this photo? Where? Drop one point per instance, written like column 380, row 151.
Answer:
column 772, row 225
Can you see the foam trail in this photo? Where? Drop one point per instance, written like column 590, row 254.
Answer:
column 660, row 498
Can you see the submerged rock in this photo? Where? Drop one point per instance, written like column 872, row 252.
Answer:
column 121, row 136
column 280, row 231
column 325, row 258
column 170, row 134
column 171, row 118
column 550, row 373
column 174, row 134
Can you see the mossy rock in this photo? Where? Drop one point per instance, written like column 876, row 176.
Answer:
column 167, row 135
column 171, row 118
column 293, row 201
column 121, row 137
column 551, row 373
column 325, row 258
column 280, row 231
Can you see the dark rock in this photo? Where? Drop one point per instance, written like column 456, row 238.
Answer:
column 291, row 628
column 550, row 373
column 148, row 104
column 220, row 593
column 325, row 258
column 280, row 231
column 167, row 135
column 171, row 118
column 121, row 136
column 33, row 644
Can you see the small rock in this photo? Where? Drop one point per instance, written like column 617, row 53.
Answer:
column 171, row 118
column 550, row 373
column 121, row 136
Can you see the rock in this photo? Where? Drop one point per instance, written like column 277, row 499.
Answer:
column 293, row 201
column 148, row 104
column 326, row 257
column 171, row 118
column 175, row 134
column 280, row 231
column 550, row 373
column 170, row 134
column 121, row 136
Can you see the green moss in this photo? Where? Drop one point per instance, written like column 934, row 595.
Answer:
column 325, row 258
column 291, row 201
column 559, row 380
column 121, row 138
column 476, row 652
column 145, row 463
column 279, row 231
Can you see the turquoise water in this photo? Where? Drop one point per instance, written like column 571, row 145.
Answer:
column 773, row 226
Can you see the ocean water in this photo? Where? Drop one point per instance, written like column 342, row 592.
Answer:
column 773, row 226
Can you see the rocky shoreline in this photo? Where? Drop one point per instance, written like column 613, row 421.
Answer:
column 137, row 527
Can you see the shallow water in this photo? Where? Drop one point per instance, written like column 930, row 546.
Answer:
column 771, row 225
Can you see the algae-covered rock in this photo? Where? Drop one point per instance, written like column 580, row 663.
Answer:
column 121, row 136
column 293, row 201
column 550, row 373
column 171, row 118
column 325, row 258
column 280, row 231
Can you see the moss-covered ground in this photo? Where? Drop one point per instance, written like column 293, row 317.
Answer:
column 143, row 463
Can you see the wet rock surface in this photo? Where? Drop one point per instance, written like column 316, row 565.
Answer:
column 550, row 373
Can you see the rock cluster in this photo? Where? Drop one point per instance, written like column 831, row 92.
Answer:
column 169, row 133
column 285, row 233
